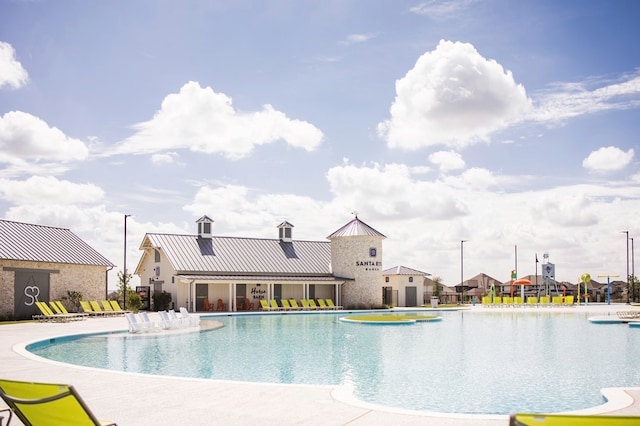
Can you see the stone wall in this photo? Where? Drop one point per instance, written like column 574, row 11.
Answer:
column 352, row 257
column 89, row 280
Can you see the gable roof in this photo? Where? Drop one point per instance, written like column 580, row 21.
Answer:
column 403, row 270
column 354, row 228
column 38, row 243
column 232, row 255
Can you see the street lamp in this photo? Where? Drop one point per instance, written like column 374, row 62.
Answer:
column 462, row 268
column 633, row 268
column 628, row 288
column 124, row 274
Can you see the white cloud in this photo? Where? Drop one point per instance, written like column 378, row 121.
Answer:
column 357, row 38
column 205, row 121
column 441, row 8
column 574, row 99
column 27, row 144
column 608, row 159
column 11, row 72
column 454, row 97
column 165, row 158
column 447, row 160
column 46, row 191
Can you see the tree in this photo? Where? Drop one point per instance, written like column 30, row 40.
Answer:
column 132, row 301
column 437, row 286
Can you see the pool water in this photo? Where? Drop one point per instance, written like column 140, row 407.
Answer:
column 470, row 362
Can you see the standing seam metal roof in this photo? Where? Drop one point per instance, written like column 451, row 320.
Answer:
column 354, row 228
column 38, row 243
column 229, row 255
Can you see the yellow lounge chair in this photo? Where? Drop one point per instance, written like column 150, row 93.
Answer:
column 106, row 307
column 507, row 300
column 568, row 300
column 116, row 307
column 532, row 301
column 486, row 301
column 332, row 305
column 312, row 304
column 47, row 404
column 526, row 419
column 86, row 308
column 544, row 300
column 517, row 301
column 294, row 305
column 322, row 305
column 274, row 305
column 497, row 300
column 95, row 306
column 556, row 300
column 285, row 304
column 264, row 305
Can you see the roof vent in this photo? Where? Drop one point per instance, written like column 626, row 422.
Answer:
column 285, row 232
column 204, row 227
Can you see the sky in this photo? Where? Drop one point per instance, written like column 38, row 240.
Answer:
column 512, row 126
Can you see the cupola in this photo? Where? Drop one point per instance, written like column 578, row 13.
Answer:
column 285, row 232
column 204, row 227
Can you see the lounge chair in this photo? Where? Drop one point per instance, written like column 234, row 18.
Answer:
column 147, row 323
column 273, row 304
column 193, row 320
column 221, row 306
column 46, row 314
column 312, row 304
column 264, row 306
column 507, row 300
column 497, row 301
column 332, row 305
column 167, row 321
column 285, row 304
column 247, row 306
column 47, row 404
column 322, row 305
column 207, row 305
column 305, row 304
column 545, row 300
column 106, row 307
column 517, row 301
column 86, row 308
column 556, row 300
column 116, row 306
column 486, row 301
column 526, row 419
column 568, row 300
column 64, row 310
column 532, row 301
column 294, row 305
column 134, row 325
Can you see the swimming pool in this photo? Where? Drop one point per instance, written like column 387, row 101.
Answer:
column 470, row 362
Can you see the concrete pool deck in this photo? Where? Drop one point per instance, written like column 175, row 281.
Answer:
column 136, row 399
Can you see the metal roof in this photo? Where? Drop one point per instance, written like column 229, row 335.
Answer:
column 241, row 256
column 354, row 228
column 38, row 243
column 403, row 270
column 263, row 278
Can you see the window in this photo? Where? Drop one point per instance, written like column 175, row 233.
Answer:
column 157, row 256
column 410, row 279
column 386, row 279
column 287, row 232
column 206, row 228
column 373, row 252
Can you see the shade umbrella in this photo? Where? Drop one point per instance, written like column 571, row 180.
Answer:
column 520, row 282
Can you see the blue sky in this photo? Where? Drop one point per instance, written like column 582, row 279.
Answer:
column 498, row 122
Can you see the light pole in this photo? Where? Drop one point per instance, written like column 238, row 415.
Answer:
column 608, row 286
column 124, row 274
column 633, row 268
column 628, row 288
column 462, row 269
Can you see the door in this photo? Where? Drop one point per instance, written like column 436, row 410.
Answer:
column 202, row 294
column 411, row 296
column 31, row 286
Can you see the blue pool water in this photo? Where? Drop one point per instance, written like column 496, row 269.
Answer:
column 470, row 362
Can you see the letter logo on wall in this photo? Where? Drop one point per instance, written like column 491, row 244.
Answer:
column 31, row 293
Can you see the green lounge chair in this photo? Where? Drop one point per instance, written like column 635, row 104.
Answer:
column 47, row 404
column 526, row 419
column 532, row 301
column 86, row 308
column 312, row 304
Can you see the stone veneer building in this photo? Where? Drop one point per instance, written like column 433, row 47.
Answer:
column 42, row 263
column 206, row 272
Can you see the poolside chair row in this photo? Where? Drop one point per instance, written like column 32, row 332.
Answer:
column 109, row 307
column 531, row 301
column 168, row 320
column 292, row 305
column 628, row 314
column 46, row 404
column 55, row 311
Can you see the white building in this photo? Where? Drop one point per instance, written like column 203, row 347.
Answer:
column 203, row 271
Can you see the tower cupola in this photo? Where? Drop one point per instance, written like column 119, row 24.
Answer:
column 285, row 232
column 205, row 223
